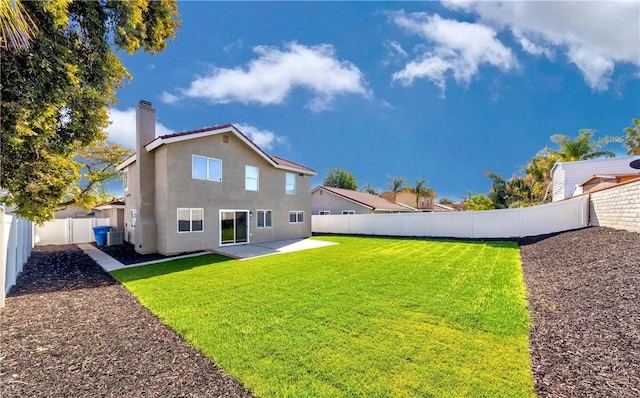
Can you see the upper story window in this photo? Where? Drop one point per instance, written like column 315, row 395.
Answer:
column 203, row 168
column 291, row 184
column 125, row 180
column 251, row 174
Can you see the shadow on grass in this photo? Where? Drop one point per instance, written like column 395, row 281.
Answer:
column 493, row 242
column 125, row 275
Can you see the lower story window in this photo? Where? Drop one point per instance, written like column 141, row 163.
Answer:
column 190, row 220
column 264, row 218
column 345, row 212
column 325, row 212
column 296, row 217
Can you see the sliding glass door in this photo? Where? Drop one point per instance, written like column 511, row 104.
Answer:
column 234, row 226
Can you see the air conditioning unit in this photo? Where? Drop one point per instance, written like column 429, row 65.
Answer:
column 115, row 238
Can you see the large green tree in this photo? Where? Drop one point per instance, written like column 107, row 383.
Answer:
column 99, row 163
column 56, row 92
column 632, row 140
column 340, row 178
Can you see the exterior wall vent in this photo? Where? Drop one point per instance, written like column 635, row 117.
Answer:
column 145, row 104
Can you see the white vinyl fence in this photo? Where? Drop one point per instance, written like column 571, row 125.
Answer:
column 68, row 231
column 16, row 242
column 506, row 223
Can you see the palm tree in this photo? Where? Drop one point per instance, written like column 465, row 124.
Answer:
column 17, row 28
column 420, row 190
column 581, row 147
column 371, row 190
column 396, row 185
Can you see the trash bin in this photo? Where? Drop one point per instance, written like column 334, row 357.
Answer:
column 101, row 234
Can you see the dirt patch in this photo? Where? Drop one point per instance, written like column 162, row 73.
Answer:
column 69, row 329
column 584, row 299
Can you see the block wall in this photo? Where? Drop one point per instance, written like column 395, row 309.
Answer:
column 617, row 207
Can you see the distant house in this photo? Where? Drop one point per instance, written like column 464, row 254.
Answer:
column 603, row 181
column 330, row 200
column 207, row 188
column 567, row 176
column 75, row 212
column 425, row 203
column 113, row 209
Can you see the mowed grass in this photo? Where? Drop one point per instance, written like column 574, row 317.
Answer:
column 370, row 317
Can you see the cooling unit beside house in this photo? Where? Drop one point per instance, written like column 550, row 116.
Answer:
column 115, row 238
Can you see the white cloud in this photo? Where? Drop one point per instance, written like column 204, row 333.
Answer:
column 265, row 139
column 533, row 48
column 271, row 77
column 122, row 129
column 452, row 47
column 168, row 98
column 595, row 36
column 395, row 48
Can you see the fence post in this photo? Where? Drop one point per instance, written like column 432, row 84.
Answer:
column 3, row 256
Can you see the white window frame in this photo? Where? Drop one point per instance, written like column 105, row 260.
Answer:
column 190, row 209
column 348, row 212
column 208, row 173
column 247, row 179
column 324, row 212
column 263, row 216
column 299, row 215
column 287, row 184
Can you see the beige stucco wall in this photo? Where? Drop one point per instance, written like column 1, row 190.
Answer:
column 130, row 199
column 617, row 207
column 175, row 188
column 322, row 201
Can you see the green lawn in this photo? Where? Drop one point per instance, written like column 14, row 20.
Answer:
column 371, row 317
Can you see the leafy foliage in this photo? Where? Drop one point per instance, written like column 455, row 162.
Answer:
column 56, row 93
column 396, row 185
column 340, row 178
column 421, row 191
column 632, row 140
column 17, row 28
column 478, row 201
column 581, row 147
column 99, row 163
column 371, row 190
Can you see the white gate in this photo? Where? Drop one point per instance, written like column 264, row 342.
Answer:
column 68, row 231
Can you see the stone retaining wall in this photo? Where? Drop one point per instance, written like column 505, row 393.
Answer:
column 617, row 207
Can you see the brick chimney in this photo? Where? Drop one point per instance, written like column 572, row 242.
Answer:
column 146, row 227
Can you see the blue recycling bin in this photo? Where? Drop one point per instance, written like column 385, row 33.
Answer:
column 101, row 234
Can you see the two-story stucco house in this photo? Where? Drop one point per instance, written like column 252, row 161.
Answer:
column 208, row 188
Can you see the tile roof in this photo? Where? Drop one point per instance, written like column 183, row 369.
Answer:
column 372, row 201
column 275, row 159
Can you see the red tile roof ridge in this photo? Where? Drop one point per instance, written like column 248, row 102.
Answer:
column 280, row 160
column 200, row 130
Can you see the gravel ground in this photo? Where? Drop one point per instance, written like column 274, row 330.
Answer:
column 584, row 300
column 69, row 329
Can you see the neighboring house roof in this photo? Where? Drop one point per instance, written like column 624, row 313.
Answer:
column 441, row 207
column 275, row 161
column 365, row 199
column 112, row 204
column 601, row 182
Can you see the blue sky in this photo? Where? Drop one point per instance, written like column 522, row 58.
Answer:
column 441, row 91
